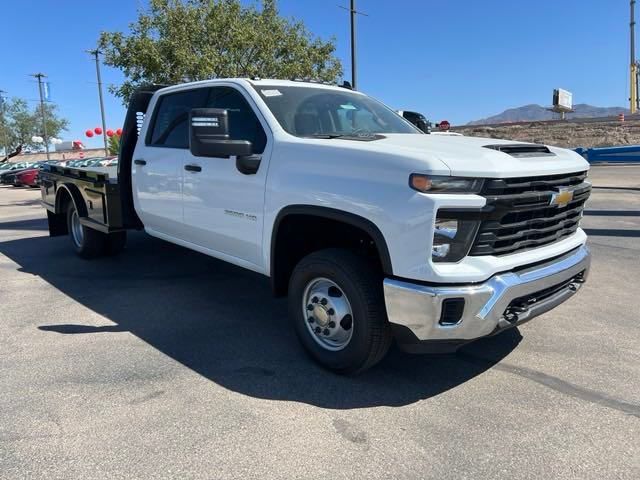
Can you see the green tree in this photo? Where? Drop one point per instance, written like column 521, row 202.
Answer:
column 113, row 145
column 177, row 40
column 19, row 123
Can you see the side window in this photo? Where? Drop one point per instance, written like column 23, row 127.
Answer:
column 243, row 122
column 171, row 118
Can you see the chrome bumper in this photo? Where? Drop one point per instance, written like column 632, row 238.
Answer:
column 487, row 306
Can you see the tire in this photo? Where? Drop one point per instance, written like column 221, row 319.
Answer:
column 347, row 278
column 89, row 243
column 115, row 243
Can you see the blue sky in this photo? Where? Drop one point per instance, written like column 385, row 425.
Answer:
column 456, row 60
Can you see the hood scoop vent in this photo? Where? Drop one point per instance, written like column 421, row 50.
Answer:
column 522, row 150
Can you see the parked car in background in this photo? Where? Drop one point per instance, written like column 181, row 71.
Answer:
column 27, row 178
column 92, row 162
column 7, row 177
column 96, row 162
column 417, row 119
column 25, row 173
column 109, row 162
column 86, row 162
column 78, row 162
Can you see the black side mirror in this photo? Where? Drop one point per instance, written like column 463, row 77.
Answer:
column 209, row 134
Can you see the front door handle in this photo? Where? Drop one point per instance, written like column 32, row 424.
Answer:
column 140, row 161
column 193, row 168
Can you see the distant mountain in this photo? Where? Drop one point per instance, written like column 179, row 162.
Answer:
column 533, row 112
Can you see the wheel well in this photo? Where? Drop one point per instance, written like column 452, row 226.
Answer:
column 66, row 193
column 296, row 235
column 62, row 200
column 58, row 220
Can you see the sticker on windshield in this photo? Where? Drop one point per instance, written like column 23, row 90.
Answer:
column 348, row 107
column 271, row 93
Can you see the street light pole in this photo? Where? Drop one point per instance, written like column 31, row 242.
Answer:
column 5, row 125
column 633, row 97
column 354, row 75
column 96, row 55
column 43, row 112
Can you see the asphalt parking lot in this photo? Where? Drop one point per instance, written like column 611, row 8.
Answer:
column 164, row 363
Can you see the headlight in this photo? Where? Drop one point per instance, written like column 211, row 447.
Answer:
column 442, row 184
column 452, row 239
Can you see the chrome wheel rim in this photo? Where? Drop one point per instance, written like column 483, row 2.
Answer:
column 76, row 229
column 328, row 315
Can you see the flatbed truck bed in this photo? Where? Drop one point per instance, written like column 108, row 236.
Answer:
column 95, row 194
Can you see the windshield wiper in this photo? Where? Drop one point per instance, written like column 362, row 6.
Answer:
column 347, row 136
column 328, row 135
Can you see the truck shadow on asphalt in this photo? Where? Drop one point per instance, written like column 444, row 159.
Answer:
column 222, row 322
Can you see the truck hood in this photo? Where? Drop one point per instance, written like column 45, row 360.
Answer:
column 468, row 156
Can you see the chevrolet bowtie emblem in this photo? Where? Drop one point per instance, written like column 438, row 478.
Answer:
column 561, row 198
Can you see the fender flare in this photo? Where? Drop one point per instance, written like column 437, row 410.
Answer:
column 338, row 215
column 76, row 198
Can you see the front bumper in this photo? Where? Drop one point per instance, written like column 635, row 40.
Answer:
column 504, row 301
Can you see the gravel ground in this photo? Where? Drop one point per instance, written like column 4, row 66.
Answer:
column 163, row 363
column 566, row 135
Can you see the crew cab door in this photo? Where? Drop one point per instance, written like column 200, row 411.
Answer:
column 157, row 170
column 223, row 207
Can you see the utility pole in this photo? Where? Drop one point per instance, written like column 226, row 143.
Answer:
column 96, row 55
column 5, row 125
column 43, row 112
column 354, row 70
column 633, row 84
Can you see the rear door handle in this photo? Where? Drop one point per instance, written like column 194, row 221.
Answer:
column 139, row 161
column 193, row 168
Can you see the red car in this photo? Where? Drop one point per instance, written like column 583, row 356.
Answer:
column 28, row 178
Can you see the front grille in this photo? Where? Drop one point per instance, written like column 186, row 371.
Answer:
column 519, row 215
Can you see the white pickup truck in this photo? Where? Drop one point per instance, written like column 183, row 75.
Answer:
column 372, row 228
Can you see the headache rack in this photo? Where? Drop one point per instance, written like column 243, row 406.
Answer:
column 521, row 215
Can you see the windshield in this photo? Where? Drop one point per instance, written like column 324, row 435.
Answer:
column 321, row 112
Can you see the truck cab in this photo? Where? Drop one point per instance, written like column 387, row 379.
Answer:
column 416, row 118
column 373, row 229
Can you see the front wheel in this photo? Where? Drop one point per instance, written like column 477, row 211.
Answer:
column 337, row 305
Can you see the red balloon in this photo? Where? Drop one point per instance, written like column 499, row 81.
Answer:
column 109, row 133
column 98, row 130
column 119, row 132
column 89, row 133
